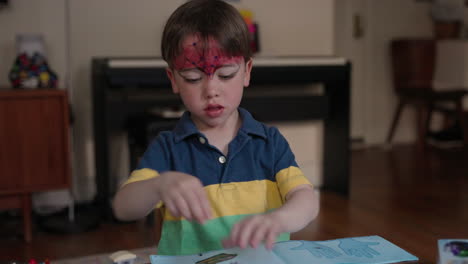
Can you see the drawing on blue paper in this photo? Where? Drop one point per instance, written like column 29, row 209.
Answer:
column 356, row 250
column 317, row 250
column 352, row 247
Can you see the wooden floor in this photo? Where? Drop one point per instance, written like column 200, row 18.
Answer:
column 409, row 198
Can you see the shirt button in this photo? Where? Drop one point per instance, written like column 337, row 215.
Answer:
column 222, row 159
column 202, row 140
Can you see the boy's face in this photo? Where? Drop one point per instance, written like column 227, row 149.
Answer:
column 210, row 83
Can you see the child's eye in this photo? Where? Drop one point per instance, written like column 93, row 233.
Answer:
column 191, row 75
column 190, row 80
column 226, row 77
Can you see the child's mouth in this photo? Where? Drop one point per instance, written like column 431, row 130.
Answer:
column 214, row 110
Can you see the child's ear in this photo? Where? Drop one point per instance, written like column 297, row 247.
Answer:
column 248, row 69
column 170, row 75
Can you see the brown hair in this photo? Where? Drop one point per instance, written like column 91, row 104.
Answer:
column 209, row 19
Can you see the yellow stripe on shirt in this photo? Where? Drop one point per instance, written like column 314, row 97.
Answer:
column 240, row 198
column 141, row 175
column 289, row 178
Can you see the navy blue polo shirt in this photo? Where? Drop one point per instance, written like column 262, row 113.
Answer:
column 255, row 177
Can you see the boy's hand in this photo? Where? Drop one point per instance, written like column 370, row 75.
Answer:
column 183, row 195
column 253, row 230
column 300, row 208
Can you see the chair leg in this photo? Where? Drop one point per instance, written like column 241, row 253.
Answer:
column 423, row 119
column 463, row 121
column 427, row 123
column 27, row 223
column 396, row 118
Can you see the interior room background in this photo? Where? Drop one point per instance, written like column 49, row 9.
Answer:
column 77, row 30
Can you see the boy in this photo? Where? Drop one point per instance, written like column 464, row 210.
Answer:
column 221, row 177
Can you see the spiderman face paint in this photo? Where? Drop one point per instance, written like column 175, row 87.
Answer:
column 206, row 59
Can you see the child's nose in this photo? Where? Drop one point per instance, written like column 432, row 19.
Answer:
column 211, row 88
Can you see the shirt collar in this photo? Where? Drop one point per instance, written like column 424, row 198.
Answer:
column 186, row 128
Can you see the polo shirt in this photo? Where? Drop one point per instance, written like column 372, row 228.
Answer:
column 254, row 178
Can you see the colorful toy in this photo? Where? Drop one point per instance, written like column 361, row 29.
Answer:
column 32, row 72
column 253, row 29
column 457, row 248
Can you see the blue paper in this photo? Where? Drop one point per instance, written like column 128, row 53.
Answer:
column 357, row 250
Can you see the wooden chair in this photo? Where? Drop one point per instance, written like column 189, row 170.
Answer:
column 413, row 64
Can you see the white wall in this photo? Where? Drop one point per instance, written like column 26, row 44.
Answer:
column 390, row 19
column 295, row 27
column 373, row 100
column 351, row 46
column 452, row 70
column 133, row 28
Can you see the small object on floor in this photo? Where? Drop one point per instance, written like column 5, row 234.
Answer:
column 142, row 257
column 448, row 138
column 453, row 251
column 123, row 257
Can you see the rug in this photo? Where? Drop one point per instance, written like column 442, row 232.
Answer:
column 142, row 257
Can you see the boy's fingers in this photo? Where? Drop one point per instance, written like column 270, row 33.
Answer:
column 171, row 207
column 258, row 235
column 270, row 239
column 205, row 203
column 183, row 207
column 227, row 243
column 245, row 233
column 235, row 231
column 195, row 205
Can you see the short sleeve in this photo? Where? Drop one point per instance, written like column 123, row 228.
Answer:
column 288, row 175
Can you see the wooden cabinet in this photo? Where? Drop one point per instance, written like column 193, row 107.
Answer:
column 34, row 147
